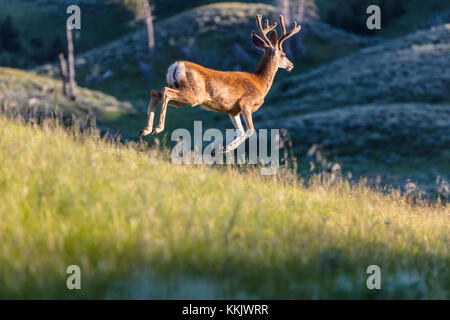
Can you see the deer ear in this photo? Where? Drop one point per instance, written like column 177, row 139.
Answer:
column 273, row 37
column 258, row 42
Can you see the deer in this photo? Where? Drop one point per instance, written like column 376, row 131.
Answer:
column 229, row 92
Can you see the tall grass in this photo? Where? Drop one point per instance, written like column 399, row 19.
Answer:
column 141, row 227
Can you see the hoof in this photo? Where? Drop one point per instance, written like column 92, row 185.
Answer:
column 224, row 150
column 157, row 130
column 144, row 132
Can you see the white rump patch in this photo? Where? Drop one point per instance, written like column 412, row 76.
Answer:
column 175, row 74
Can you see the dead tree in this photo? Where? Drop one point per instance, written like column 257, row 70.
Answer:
column 300, row 9
column 63, row 70
column 284, row 9
column 72, row 84
column 300, row 48
column 149, row 22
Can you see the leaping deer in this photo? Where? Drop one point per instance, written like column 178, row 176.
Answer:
column 232, row 93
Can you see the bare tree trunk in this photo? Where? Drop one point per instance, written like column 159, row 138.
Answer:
column 299, row 16
column 72, row 83
column 63, row 66
column 300, row 10
column 284, row 9
column 149, row 22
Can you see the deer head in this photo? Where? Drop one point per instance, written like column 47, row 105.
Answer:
column 271, row 45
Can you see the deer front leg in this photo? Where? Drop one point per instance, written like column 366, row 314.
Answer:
column 247, row 115
column 240, row 133
column 168, row 94
column 156, row 97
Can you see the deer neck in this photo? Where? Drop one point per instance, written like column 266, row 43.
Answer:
column 266, row 70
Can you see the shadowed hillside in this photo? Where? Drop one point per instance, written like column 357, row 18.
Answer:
column 401, row 135
column 411, row 68
column 408, row 129
column 387, row 143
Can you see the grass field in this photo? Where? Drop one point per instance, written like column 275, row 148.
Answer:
column 141, row 227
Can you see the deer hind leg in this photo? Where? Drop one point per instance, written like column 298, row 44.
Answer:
column 156, row 97
column 173, row 97
column 242, row 136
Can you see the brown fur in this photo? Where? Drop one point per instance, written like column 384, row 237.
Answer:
column 225, row 92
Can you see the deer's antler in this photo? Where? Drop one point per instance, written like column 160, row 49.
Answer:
column 266, row 30
column 286, row 35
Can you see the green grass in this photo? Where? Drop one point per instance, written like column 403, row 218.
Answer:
column 139, row 226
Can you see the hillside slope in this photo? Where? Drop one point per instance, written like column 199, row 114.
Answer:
column 20, row 91
column 141, row 227
column 374, row 130
column 217, row 36
column 414, row 68
column 381, row 111
column 388, row 144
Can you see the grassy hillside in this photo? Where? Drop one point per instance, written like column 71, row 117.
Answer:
column 22, row 91
column 141, row 227
column 408, row 129
column 388, row 143
column 407, row 69
column 380, row 112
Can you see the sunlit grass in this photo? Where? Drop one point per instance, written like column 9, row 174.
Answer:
column 139, row 226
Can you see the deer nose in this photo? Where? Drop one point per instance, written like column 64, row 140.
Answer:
column 290, row 67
